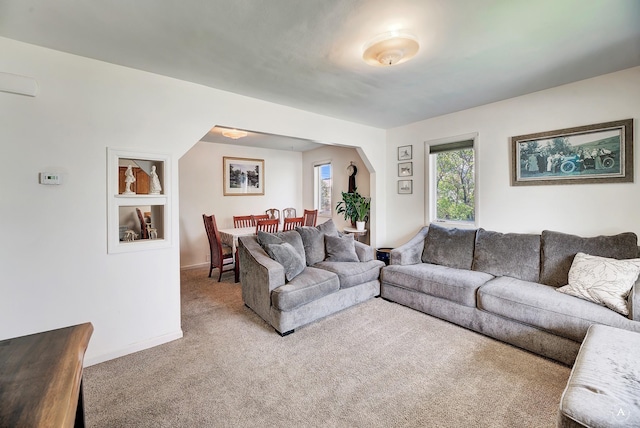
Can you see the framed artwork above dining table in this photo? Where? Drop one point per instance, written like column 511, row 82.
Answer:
column 243, row 176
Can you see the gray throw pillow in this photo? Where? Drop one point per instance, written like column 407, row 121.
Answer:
column 508, row 254
column 292, row 237
column 559, row 249
column 265, row 238
column 340, row 249
column 313, row 240
column 328, row 228
column 288, row 257
column 449, row 247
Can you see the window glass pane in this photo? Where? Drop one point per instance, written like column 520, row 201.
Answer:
column 323, row 189
column 454, row 185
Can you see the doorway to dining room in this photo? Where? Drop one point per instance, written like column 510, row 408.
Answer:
column 288, row 181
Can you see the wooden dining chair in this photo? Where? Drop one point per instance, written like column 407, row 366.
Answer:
column 221, row 254
column 288, row 212
column 273, row 213
column 310, row 217
column 270, row 226
column 259, row 217
column 290, row 223
column 144, row 231
column 243, row 221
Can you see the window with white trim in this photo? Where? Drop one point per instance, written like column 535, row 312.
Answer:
column 453, row 182
column 322, row 189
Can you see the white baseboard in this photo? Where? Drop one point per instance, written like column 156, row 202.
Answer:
column 196, row 266
column 133, row 348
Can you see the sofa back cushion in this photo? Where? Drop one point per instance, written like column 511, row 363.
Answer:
column 559, row 249
column 449, row 247
column 313, row 240
column 516, row 255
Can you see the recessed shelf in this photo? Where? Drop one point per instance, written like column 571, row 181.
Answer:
column 139, row 216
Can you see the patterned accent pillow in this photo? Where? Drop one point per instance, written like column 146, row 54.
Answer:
column 601, row 280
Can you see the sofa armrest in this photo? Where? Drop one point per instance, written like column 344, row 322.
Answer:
column 259, row 275
column 634, row 301
column 409, row 253
column 364, row 251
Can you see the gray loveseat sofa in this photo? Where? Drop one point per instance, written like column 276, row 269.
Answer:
column 293, row 278
column 505, row 285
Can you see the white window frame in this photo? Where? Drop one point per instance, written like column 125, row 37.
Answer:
column 316, row 188
column 430, row 182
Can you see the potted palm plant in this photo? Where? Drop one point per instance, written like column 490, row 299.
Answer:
column 355, row 208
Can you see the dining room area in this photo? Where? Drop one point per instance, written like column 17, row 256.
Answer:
column 281, row 197
column 223, row 243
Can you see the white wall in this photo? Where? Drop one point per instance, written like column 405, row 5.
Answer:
column 585, row 209
column 54, row 266
column 289, row 183
column 340, row 158
column 201, row 192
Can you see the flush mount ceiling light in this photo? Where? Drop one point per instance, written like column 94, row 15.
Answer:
column 390, row 49
column 234, row 133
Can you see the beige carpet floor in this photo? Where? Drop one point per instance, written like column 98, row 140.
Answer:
column 378, row 364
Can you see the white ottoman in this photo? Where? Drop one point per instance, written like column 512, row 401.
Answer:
column 604, row 387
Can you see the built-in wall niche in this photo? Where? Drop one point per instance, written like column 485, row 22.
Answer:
column 146, row 222
column 139, row 214
column 140, row 176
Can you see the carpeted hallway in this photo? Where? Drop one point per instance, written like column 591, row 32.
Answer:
column 378, row 364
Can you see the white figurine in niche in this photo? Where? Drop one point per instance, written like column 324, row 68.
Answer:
column 155, row 182
column 128, row 180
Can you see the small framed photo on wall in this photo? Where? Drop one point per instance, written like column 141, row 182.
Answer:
column 405, row 187
column 405, row 169
column 405, row 153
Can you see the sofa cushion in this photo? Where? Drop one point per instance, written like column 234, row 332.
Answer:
column 543, row 307
column 450, row 247
column 604, row 385
column 457, row 285
column 313, row 240
column 508, row 254
column 310, row 285
column 351, row 274
column 602, row 280
column 288, row 257
column 340, row 249
column 558, row 250
column 291, row 236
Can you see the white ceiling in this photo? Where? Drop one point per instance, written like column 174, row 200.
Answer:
column 307, row 54
column 261, row 139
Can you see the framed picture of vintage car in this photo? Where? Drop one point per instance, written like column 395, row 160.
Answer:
column 599, row 153
column 242, row 176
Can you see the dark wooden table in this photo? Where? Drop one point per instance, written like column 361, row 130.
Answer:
column 41, row 378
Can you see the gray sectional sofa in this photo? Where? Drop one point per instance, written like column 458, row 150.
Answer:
column 505, row 285
column 293, row 278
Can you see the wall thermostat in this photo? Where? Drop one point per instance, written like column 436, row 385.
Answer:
column 50, row 178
